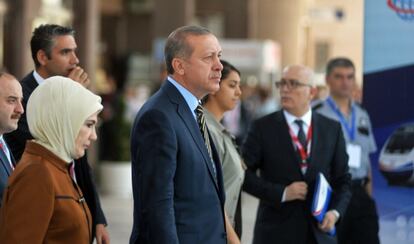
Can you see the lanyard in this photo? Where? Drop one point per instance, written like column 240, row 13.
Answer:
column 350, row 129
column 303, row 154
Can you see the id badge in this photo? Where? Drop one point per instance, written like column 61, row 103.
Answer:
column 354, row 153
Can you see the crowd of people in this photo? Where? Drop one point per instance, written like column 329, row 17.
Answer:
column 188, row 169
column 50, row 195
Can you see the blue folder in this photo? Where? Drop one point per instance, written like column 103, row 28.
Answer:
column 321, row 199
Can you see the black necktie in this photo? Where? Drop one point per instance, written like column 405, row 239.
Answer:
column 201, row 120
column 301, row 134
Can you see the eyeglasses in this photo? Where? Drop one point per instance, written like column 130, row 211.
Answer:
column 290, row 84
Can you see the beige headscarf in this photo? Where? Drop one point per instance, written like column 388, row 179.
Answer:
column 56, row 110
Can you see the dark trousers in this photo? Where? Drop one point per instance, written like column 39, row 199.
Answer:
column 360, row 223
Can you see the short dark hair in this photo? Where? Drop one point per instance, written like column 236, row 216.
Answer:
column 43, row 39
column 177, row 45
column 338, row 62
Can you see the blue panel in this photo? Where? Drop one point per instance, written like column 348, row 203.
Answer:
column 389, row 96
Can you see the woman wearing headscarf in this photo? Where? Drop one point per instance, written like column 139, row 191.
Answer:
column 215, row 105
column 43, row 203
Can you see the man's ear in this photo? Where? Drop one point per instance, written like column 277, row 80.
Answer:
column 178, row 66
column 327, row 80
column 313, row 92
column 42, row 57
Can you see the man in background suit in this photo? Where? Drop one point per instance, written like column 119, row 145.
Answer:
column 11, row 109
column 53, row 51
column 177, row 184
column 289, row 148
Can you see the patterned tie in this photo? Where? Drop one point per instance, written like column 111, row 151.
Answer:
column 301, row 134
column 201, row 120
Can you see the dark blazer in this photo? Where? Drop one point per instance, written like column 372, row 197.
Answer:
column 17, row 141
column 5, row 171
column 269, row 149
column 176, row 196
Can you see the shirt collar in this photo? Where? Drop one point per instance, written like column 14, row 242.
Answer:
column 306, row 118
column 213, row 120
column 190, row 99
column 213, row 123
column 39, row 79
column 351, row 104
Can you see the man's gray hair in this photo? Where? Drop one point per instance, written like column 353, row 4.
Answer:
column 177, row 45
column 306, row 71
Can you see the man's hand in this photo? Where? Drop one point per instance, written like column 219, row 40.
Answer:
column 328, row 222
column 79, row 75
column 296, row 191
column 102, row 235
column 232, row 237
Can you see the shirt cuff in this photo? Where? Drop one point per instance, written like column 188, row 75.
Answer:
column 284, row 196
column 336, row 213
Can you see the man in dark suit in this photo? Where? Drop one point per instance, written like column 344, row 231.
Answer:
column 11, row 109
column 177, row 183
column 289, row 148
column 53, row 51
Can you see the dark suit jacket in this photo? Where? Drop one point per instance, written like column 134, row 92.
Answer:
column 269, row 149
column 5, row 172
column 176, row 198
column 17, row 141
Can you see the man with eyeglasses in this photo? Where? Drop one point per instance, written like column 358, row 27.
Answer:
column 290, row 148
column 360, row 223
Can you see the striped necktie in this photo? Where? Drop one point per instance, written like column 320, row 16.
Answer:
column 201, row 120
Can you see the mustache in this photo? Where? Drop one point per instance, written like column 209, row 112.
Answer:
column 218, row 76
column 15, row 116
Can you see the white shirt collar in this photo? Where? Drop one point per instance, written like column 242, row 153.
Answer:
column 190, row 99
column 306, row 118
column 2, row 139
column 6, row 151
column 37, row 77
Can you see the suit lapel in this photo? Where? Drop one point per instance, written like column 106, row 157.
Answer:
column 31, row 82
column 13, row 161
column 314, row 146
column 188, row 119
column 5, row 162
